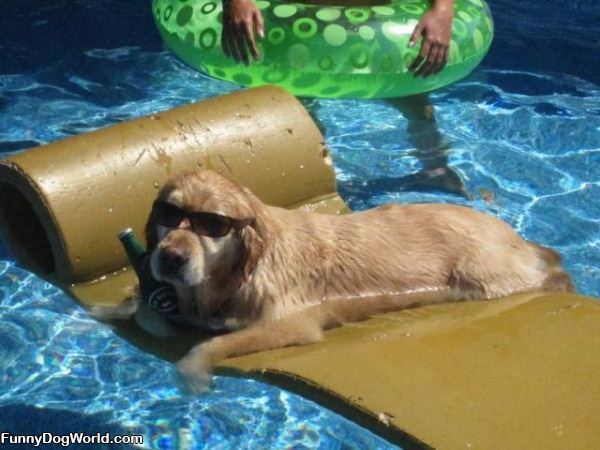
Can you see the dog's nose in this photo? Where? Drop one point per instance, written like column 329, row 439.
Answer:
column 171, row 259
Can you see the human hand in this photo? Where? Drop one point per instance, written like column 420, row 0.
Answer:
column 435, row 27
column 240, row 20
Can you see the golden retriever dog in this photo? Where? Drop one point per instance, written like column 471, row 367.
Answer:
column 272, row 277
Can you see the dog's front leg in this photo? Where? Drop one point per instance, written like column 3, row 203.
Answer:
column 299, row 328
column 302, row 327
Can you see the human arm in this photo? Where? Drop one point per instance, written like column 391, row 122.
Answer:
column 435, row 29
column 241, row 19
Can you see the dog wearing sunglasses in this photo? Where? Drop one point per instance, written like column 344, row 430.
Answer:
column 268, row 277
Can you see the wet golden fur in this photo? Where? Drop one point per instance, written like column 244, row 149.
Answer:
column 290, row 274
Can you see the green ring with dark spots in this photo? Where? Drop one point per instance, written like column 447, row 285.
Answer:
column 208, row 38
column 357, row 15
column 305, row 28
column 168, row 12
column 208, row 7
column 359, row 55
column 327, row 51
column 412, row 9
column 276, row 35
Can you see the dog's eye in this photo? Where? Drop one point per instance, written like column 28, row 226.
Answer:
column 167, row 215
column 211, row 225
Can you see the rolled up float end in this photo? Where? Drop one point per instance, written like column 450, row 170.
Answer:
column 62, row 204
column 26, row 226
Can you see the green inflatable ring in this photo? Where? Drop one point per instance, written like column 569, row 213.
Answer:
column 327, row 51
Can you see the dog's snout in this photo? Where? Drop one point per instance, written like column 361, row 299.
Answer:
column 171, row 259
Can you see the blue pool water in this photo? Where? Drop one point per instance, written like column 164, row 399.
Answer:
column 522, row 132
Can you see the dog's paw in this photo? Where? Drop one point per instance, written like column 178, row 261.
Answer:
column 123, row 311
column 194, row 371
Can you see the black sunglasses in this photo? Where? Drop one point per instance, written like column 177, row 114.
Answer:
column 204, row 223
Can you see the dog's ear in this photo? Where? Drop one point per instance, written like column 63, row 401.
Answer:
column 253, row 248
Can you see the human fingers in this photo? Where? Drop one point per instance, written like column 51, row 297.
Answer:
column 416, row 34
column 226, row 44
column 250, row 42
column 420, row 61
column 430, row 63
column 441, row 59
column 230, row 43
column 259, row 24
column 241, row 45
column 229, row 37
column 416, row 63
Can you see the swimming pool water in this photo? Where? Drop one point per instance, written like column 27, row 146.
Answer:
column 522, row 132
